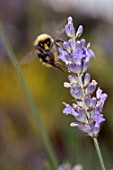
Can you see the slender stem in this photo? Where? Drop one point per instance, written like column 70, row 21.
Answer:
column 99, row 153
column 30, row 99
column 48, row 166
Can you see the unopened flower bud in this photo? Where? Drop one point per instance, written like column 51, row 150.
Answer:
column 86, row 79
column 91, row 87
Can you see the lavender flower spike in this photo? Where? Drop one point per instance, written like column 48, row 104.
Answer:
column 86, row 108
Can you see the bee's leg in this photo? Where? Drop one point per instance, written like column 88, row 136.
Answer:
column 59, row 63
column 60, row 68
column 59, row 43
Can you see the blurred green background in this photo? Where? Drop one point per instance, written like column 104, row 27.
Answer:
column 21, row 146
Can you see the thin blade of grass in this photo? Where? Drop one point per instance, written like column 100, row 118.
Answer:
column 29, row 97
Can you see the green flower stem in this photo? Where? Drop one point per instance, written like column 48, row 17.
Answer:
column 48, row 166
column 99, row 153
column 30, row 100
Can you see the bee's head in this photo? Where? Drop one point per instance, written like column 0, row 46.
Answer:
column 44, row 42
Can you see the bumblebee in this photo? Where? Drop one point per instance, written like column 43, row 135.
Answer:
column 45, row 48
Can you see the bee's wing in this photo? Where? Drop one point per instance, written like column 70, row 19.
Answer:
column 60, row 31
column 57, row 30
column 27, row 58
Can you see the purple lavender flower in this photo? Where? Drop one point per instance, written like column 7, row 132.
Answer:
column 67, row 166
column 74, row 54
column 86, row 108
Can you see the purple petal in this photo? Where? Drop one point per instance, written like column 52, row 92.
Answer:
column 67, row 47
column 98, row 118
column 85, row 66
column 73, row 79
column 70, row 20
column 91, row 87
column 87, row 78
column 74, row 68
column 69, row 110
column 90, row 130
column 63, row 55
column 96, row 130
column 79, row 31
column 78, row 44
column 82, row 115
column 83, row 41
column 69, row 28
column 101, row 96
column 89, row 53
column 87, row 100
column 76, row 91
column 98, row 93
column 93, row 102
column 72, row 44
column 78, row 54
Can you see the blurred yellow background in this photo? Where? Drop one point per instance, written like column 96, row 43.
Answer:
column 21, row 147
